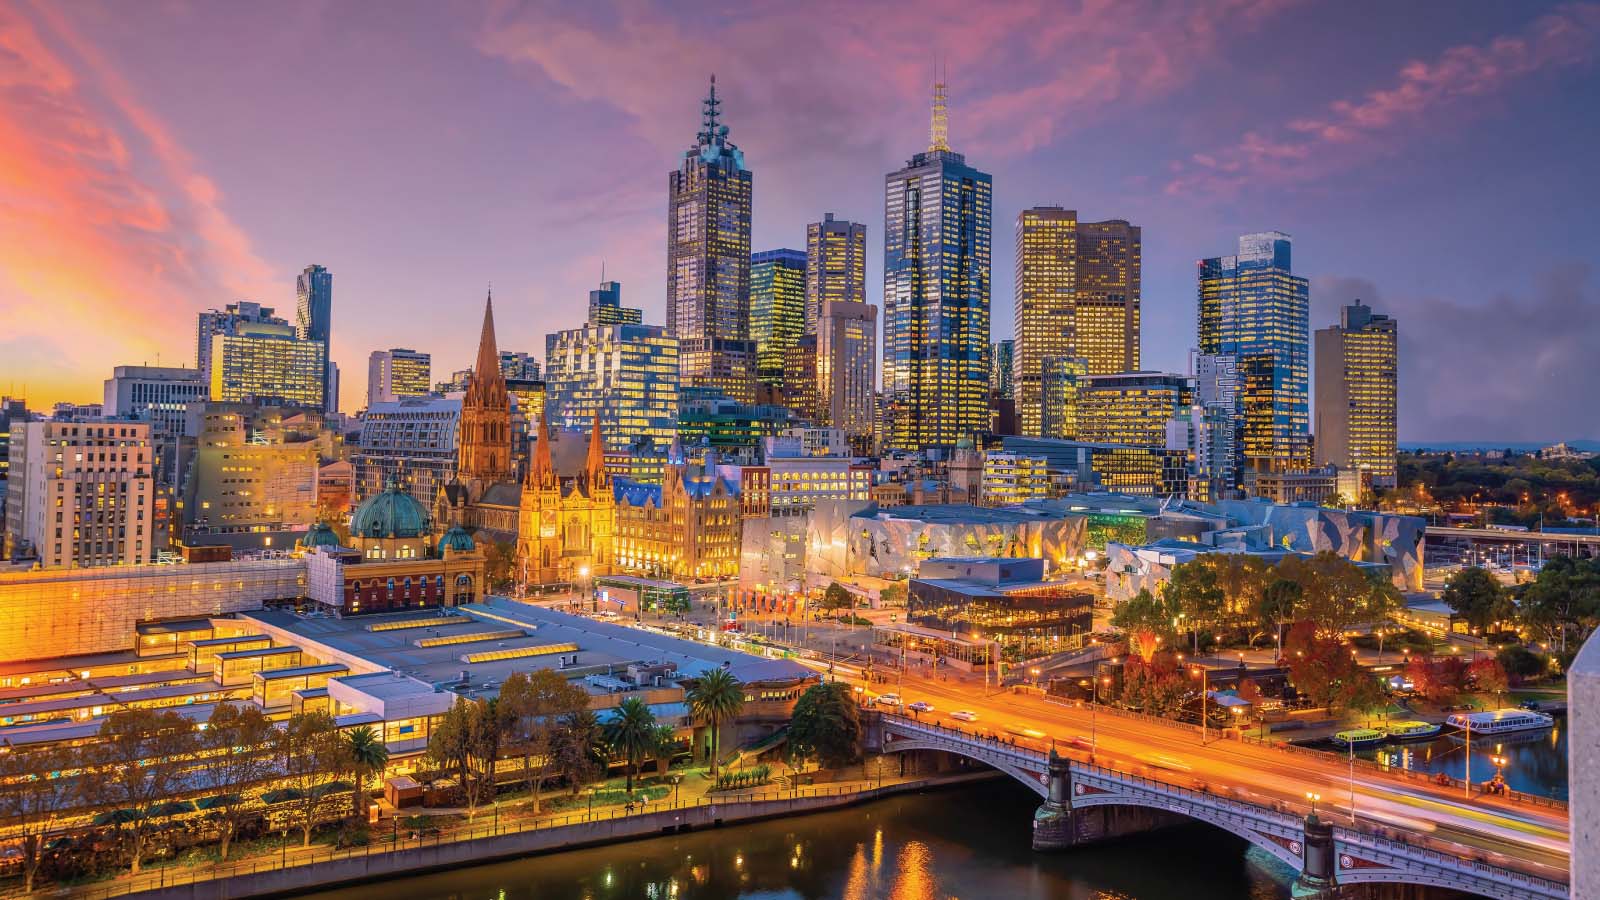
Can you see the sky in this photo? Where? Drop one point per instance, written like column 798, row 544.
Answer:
column 1436, row 159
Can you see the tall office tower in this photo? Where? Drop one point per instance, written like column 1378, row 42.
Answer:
column 605, row 307
column 777, row 309
column 484, row 448
column 628, row 374
column 800, row 389
column 708, row 262
column 267, row 364
column 82, row 493
column 847, row 356
column 520, row 365
column 836, row 265
column 1060, row 384
column 1254, row 308
column 1076, row 295
column 1217, row 390
column 1002, row 359
column 393, row 374
column 1131, row 408
column 1357, row 390
column 314, row 321
column 229, row 321
column 937, row 219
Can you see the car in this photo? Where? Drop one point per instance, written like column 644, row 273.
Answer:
column 921, row 706
column 888, row 700
column 1024, row 731
column 964, row 715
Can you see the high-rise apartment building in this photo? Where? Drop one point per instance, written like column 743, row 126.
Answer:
column 314, row 322
column 836, row 265
column 1357, row 387
column 847, row 354
column 1217, row 392
column 937, row 223
column 1076, row 295
column 1132, row 408
column 708, row 262
column 628, row 374
column 605, row 307
column 396, row 373
column 777, row 309
column 1002, row 360
column 81, row 493
column 1252, row 307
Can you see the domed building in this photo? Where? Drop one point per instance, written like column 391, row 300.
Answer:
column 395, row 560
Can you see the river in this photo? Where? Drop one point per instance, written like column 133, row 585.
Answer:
column 970, row 842
column 1536, row 761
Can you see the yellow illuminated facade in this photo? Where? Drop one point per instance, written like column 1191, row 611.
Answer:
column 836, row 265
column 777, row 309
column 1132, row 408
column 264, row 367
column 1357, row 388
column 81, row 494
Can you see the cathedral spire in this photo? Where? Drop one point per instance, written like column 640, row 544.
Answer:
column 484, row 446
column 541, row 472
column 595, row 467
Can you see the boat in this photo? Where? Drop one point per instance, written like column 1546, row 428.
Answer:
column 1412, row 730
column 1359, row 737
column 1499, row 721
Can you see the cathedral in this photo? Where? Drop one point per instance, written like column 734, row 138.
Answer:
column 483, row 497
column 567, row 521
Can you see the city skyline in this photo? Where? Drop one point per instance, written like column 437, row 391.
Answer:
column 195, row 217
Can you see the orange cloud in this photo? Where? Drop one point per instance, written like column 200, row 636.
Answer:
column 110, row 237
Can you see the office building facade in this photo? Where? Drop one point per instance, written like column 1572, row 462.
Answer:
column 262, row 364
column 396, row 373
column 1253, row 308
column 846, row 359
column 777, row 309
column 520, row 365
column 81, row 494
column 231, row 320
column 708, row 262
column 1060, row 384
column 937, row 233
column 836, row 265
column 252, row 483
column 1357, row 393
column 605, row 307
column 1002, row 362
column 627, row 374
column 1132, row 408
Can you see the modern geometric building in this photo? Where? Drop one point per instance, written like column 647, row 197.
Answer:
column 246, row 354
column 605, row 307
column 708, row 262
column 937, row 222
column 1356, row 392
column 846, row 363
column 81, row 494
column 1077, row 295
column 777, row 309
column 519, row 364
column 1124, row 468
column 836, row 265
column 314, row 321
column 1132, row 407
column 626, row 374
column 393, row 374
column 1253, row 308
column 1002, row 362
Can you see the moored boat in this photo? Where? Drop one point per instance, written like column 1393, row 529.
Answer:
column 1499, row 721
column 1358, row 737
column 1412, row 730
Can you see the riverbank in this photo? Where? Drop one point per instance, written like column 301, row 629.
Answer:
column 486, row 841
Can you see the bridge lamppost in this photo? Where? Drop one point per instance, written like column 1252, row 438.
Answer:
column 1313, row 797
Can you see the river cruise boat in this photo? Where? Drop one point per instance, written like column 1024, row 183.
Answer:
column 1359, row 737
column 1499, row 721
column 1412, row 730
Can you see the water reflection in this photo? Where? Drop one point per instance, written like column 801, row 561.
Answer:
column 1536, row 760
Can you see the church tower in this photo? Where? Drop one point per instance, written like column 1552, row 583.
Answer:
column 484, row 445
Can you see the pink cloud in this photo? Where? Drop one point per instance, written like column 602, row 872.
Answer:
column 1423, row 94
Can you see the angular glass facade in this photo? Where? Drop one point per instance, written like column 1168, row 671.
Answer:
column 626, row 373
column 777, row 309
column 1252, row 307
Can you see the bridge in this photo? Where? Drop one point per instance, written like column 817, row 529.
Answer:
column 1084, row 802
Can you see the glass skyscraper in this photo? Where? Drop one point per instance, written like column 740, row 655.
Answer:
column 626, row 373
column 1002, row 359
column 605, row 306
column 937, row 223
column 777, row 309
column 1253, row 308
column 314, row 322
column 708, row 262
column 836, row 265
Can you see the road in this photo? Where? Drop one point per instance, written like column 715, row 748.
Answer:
column 1528, row 838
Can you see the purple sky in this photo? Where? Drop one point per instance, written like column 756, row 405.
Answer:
column 1435, row 159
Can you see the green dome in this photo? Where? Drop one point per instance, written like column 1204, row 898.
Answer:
column 320, row 535
column 393, row 513
column 456, row 539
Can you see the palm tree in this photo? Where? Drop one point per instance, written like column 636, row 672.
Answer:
column 367, row 755
column 715, row 698
column 631, row 731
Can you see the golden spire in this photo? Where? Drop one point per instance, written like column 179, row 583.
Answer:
column 939, row 130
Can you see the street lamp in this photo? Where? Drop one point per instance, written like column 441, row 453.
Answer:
column 1313, row 797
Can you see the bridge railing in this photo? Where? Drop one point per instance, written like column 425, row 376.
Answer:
column 1406, row 851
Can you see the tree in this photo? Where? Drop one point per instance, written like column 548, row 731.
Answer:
column 1325, row 670
column 893, row 595
column 1438, row 679
column 500, row 563
column 631, row 731
column 1156, row 686
column 1563, row 600
column 715, row 698
column 580, row 748
column 1243, row 578
column 1520, row 663
column 1335, row 593
column 534, row 707
column 837, row 596
column 1478, row 598
column 33, row 791
column 236, row 756
column 666, row 744
column 367, row 755
column 466, row 743
column 1276, row 606
column 1146, row 612
column 1195, row 594
column 826, row 725
column 1488, row 676
column 309, row 755
column 139, row 762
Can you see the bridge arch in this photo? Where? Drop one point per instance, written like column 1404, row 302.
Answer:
column 1029, row 769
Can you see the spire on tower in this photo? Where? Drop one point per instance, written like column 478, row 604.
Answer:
column 542, row 471
column 939, row 128
column 708, row 117
column 595, row 467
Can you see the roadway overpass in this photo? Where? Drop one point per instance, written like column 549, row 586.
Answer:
column 1086, row 801
column 1509, row 547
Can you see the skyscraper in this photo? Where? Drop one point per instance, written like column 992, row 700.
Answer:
column 605, row 306
column 1060, row 384
column 846, row 339
column 230, row 320
column 393, row 374
column 314, row 322
column 777, row 309
column 1076, row 295
column 1357, row 390
column 708, row 261
column 937, row 220
column 1131, row 407
column 836, row 265
column 484, row 447
column 1253, row 307
column 1002, row 360
column 627, row 374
